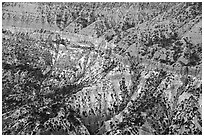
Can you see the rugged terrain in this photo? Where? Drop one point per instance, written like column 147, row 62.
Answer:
column 102, row 68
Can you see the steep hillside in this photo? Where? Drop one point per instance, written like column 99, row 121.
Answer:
column 101, row 68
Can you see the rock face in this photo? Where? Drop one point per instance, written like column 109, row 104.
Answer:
column 101, row 68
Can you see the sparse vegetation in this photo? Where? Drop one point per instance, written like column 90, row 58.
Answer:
column 101, row 68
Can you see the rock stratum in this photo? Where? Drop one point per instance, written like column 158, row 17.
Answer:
column 101, row 68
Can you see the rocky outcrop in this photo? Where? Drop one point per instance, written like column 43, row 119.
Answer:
column 68, row 70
